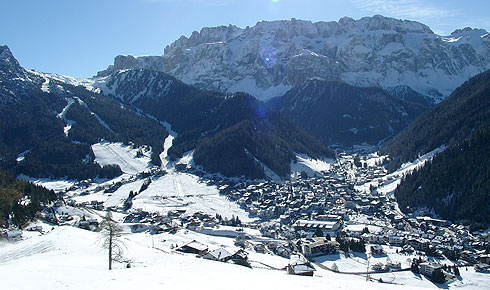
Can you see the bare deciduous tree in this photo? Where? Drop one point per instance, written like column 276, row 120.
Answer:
column 111, row 234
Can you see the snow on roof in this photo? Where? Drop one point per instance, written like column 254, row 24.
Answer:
column 319, row 224
column 429, row 219
column 301, row 269
column 219, row 254
column 196, row 245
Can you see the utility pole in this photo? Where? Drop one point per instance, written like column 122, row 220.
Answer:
column 367, row 269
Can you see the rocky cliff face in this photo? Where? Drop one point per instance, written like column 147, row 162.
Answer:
column 15, row 82
column 268, row 59
column 122, row 62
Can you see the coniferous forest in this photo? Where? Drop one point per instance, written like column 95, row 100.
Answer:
column 29, row 126
column 456, row 183
column 20, row 200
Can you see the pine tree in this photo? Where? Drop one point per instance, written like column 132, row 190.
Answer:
column 456, row 271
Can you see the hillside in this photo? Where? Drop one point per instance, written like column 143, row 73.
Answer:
column 257, row 135
column 338, row 113
column 20, row 200
column 456, row 183
column 465, row 111
column 231, row 134
column 48, row 126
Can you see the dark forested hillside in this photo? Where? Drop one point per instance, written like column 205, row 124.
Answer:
column 242, row 133
column 254, row 134
column 231, row 134
column 338, row 113
column 164, row 97
column 465, row 111
column 456, row 184
column 33, row 140
column 21, row 200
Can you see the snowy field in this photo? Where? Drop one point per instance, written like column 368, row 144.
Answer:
column 310, row 166
column 71, row 258
column 116, row 153
column 56, row 185
column 185, row 191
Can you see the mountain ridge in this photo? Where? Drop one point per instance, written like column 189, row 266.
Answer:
column 268, row 59
column 52, row 124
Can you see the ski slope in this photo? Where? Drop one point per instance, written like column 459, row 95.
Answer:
column 177, row 190
column 107, row 153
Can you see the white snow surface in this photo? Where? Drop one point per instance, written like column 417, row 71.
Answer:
column 167, row 144
column 177, row 190
column 107, row 153
column 45, row 85
column 391, row 181
column 21, row 156
column 51, row 184
column 309, row 165
column 70, row 258
column 62, row 115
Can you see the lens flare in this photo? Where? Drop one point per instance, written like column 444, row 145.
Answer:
column 262, row 112
column 268, row 56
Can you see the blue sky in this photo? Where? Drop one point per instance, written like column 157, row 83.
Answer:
column 80, row 37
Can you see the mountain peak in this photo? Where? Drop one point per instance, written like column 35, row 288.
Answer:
column 380, row 22
column 7, row 58
column 469, row 32
column 122, row 62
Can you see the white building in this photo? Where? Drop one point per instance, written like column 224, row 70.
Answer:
column 318, row 246
column 396, row 240
column 427, row 268
column 327, row 227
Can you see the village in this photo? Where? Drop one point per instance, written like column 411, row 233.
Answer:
column 316, row 221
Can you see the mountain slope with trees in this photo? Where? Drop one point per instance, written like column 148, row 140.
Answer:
column 464, row 112
column 34, row 113
column 20, row 200
column 338, row 113
column 219, row 127
column 456, row 183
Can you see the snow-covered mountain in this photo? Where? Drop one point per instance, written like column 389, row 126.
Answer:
column 15, row 81
column 122, row 62
column 266, row 60
column 48, row 124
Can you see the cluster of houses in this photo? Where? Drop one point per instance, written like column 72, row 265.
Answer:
column 320, row 206
column 220, row 254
